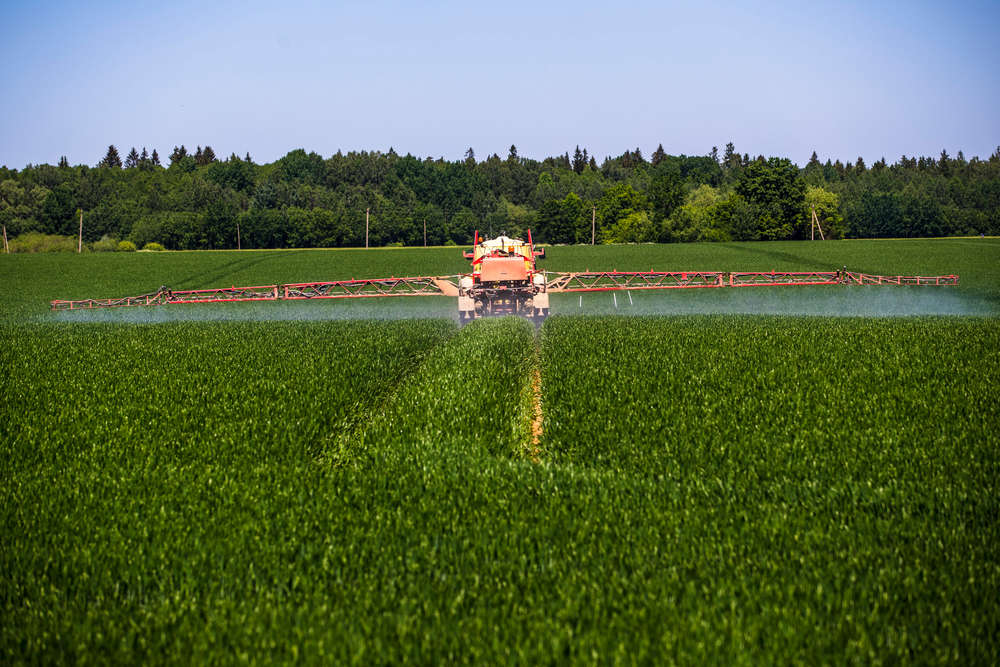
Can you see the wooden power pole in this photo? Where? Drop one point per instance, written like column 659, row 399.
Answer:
column 814, row 225
column 79, row 247
column 593, row 226
column 6, row 247
column 366, row 227
column 425, row 232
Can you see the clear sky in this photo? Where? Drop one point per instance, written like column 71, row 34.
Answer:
column 845, row 79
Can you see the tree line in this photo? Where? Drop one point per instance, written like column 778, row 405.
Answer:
column 198, row 201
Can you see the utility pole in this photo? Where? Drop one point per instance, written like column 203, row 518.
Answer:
column 593, row 226
column 239, row 245
column 5, row 246
column 815, row 224
column 366, row 227
column 79, row 247
column 425, row 232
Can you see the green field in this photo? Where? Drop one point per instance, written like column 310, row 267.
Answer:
column 356, row 483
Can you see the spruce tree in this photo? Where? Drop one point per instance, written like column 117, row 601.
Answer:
column 144, row 163
column 637, row 156
column 659, row 155
column 207, row 156
column 593, row 163
column 63, row 162
column 154, row 159
column 178, row 154
column 814, row 159
column 247, row 159
column 578, row 161
column 860, row 165
column 729, row 155
column 112, row 159
column 715, row 154
column 944, row 164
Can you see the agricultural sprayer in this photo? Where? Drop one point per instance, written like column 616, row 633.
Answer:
column 504, row 280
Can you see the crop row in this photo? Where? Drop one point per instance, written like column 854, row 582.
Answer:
column 433, row 541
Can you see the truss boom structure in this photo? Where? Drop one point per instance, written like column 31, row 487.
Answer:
column 598, row 281
column 619, row 280
column 340, row 289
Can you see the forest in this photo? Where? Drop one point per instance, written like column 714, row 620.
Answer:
column 198, row 201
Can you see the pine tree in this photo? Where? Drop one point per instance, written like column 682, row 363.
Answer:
column 63, row 162
column 247, row 159
column 746, row 160
column 144, row 163
column 839, row 167
column 513, row 153
column 578, row 161
column 198, row 157
column 584, row 158
column 637, row 156
column 207, row 156
column 814, row 159
column 996, row 155
column 860, row 165
column 593, row 163
column 960, row 158
column 944, row 164
column 715, row 154
column 178, row 154
column 112, row 159
column 132, row 159
column 392, row 152
column 154, row 159
column 727, row 157
column 659, row 155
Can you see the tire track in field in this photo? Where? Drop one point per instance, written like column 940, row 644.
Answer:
column 201, row 280
column 537, row 417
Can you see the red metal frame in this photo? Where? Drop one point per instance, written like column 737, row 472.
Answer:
column 448, row 286
column 342, row 289
column 628, row 280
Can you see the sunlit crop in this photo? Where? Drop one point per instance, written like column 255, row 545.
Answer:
column 265, row 483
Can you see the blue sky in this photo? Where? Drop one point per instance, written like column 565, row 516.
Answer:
column 845, row 79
